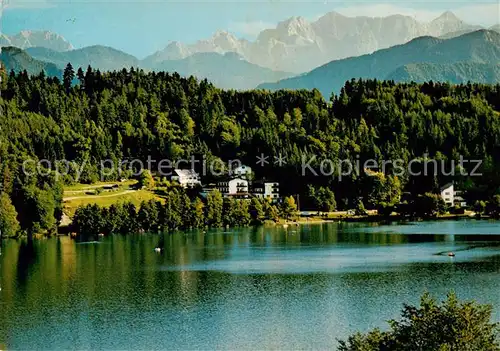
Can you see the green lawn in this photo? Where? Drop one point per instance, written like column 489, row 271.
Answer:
column 81, row 187
column 77, row 195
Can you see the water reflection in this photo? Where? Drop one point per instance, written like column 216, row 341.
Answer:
column 243, row 288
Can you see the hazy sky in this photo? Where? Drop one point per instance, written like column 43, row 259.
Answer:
column 142, row 27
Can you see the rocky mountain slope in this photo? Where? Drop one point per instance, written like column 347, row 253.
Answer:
column 27, row 39
column 297, row 45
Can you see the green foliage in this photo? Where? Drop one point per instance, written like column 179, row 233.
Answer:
column 148, row 216
column 68, row 76
column 39, row 211
column 257, row 210
column 271, row 211
column 198, row 213
column 214, row 209
column 323, row 199
column 131, row 114
column 429, row 205
column 288, row 207
column 9, row 225
column 360, row 209
column 236, row 213
column 146, row 180
column 449, row 325
column 177, row 211
column 381, row 188
column 89, row 220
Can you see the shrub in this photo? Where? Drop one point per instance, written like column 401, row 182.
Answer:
column 449, row 325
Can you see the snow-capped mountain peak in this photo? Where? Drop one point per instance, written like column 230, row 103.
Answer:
column 26, row 39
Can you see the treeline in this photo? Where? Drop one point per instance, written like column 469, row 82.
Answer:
column 178, row 211
column 131, row 114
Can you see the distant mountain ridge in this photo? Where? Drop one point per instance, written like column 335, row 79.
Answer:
column 479, row 47
column 295, row 44
column 15, row 59
column 101, row 57
column 228, row 71
column 455, row 73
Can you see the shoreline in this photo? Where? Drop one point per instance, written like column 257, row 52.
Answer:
column 372, row 219
column 64, row 230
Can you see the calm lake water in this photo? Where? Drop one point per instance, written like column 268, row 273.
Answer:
column 253, row 288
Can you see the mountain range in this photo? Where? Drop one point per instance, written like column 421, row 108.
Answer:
column 97, row 56
column 472, row 57
column 227, row 71
column 458, row 59
column 294, row 45
column 297, row 45
column 445, row 49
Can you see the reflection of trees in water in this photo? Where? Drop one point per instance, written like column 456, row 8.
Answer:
column 25, row 259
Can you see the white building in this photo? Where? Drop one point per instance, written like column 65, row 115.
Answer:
column 458, row 199
column 242, row 171
column 264, row 189
column 187, row 178
column 448, row 194
column 237, row 186
column 451, row 196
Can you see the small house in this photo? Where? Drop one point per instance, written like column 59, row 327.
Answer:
column 187, row 178
column 448, row 194
column 237, row 186
column 266, row 189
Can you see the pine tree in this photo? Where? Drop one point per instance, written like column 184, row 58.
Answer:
column 81, row 77
column 68, row 76
column 288, row 207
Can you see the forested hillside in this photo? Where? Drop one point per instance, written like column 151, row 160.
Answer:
column 455, row 73
column 136, row 115
column 18, row 60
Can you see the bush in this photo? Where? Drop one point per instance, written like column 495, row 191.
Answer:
column 449, row 325
column 360, row 209
column 146, row 180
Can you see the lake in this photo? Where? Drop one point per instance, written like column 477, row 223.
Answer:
column 251, row 288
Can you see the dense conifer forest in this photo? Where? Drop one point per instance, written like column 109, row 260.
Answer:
column 90, row 116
